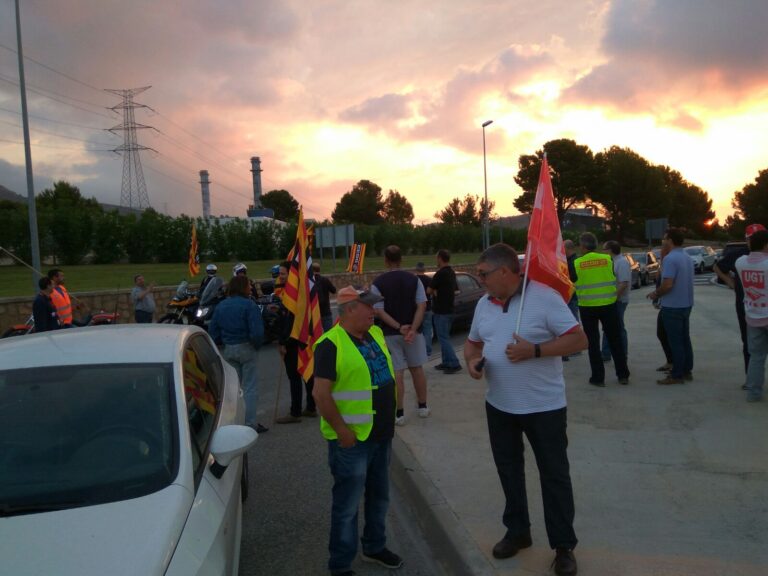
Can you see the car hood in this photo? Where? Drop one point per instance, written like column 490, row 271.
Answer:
column 135, row 536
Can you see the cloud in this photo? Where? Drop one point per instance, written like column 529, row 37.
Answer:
column 663, row 53
column 389, row 108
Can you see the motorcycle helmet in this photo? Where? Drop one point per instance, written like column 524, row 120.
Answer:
column 211, row 269
column 239, row 267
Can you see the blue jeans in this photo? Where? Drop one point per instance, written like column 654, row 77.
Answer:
column 757, row 339
column 242, row 357
column 362, row 468
column 426, row 329
column 621, row 308
column 443, row 328
column 677, row 325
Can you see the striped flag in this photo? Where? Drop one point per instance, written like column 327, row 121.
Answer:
column 546, row 261
column 194, row 257
column 300, row 298
column 356, row 259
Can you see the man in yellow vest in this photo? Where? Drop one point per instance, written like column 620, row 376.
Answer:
column 356, row 397
column 596, row 290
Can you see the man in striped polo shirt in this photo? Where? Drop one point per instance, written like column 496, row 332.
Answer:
column 526, row 395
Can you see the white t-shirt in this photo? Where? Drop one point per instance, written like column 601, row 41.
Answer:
column 534, row 385
column 753, row 271
column 623, row 273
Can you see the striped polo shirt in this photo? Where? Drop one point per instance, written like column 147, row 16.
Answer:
column 534, row 385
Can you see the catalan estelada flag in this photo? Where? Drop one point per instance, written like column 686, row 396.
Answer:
column 194, row 257
column 300, row 298
column 546, row 261
column 356, row 259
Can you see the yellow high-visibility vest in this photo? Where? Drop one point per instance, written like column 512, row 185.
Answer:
column 353, row 390
column 595, row 282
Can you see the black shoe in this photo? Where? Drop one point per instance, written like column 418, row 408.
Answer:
column 564, row 562
column 566, row 359
column 309, row 413
column 440, row 366
column 260, row 428
column 452, row 370
column 344, row 573
column 508, row 547
column 599, row 383
column 386, row 558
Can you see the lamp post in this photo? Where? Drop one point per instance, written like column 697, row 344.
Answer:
column 486, row 229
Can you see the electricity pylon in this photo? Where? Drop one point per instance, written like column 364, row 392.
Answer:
column 133, row 192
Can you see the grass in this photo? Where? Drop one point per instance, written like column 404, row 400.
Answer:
column 16, row 281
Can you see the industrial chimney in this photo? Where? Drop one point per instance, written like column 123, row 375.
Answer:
column 256, row 171
column 204, row 185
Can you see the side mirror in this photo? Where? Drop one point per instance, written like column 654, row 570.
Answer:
column 228, row 443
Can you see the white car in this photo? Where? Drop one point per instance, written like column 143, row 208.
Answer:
column 121, row 452
column 703, row 257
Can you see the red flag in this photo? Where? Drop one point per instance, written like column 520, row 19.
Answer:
column 548, row 263
column 194, row 257
column 300, row 298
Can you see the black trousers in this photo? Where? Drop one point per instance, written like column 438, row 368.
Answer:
column 661, row 334
column 741, row 316
column 607, row 316
column 143, row 317
column 291, row 361
column 546, row 434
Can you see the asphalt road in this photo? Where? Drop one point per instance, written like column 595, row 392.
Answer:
column 287, row 515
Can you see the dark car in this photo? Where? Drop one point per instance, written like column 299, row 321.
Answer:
column 649, row 266
column 470, row 291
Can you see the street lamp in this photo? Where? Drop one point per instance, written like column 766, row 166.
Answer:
column 486, row 229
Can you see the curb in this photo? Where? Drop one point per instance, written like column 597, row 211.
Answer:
column 451, row 544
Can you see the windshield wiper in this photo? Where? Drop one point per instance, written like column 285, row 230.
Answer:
column 32, row 508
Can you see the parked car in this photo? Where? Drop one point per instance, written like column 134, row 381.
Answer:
column 634, row 268
column 703, row 257
column 470, row 291
column 649, row 266
column 121, row 452
column 718, row 255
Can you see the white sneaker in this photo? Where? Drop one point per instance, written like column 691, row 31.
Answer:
column 400, row 421
column 424, row 412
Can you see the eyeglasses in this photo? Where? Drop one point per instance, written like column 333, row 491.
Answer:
column 485, row 273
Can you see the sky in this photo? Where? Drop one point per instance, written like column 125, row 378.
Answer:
column 331, row 92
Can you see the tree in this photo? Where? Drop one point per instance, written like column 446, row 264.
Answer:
column 630, row 190
column 108, row 238
column 285, row 206
column 361, row 205
column 751, row 203
column 397, row 209
column 69, row 219
column 691, row 206
column 572, row 169
column 467, row 212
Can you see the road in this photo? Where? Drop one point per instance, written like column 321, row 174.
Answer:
column 287, row 515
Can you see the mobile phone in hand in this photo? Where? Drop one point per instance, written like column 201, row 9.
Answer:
column 480, row 365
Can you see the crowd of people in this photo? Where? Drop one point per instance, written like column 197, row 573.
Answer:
column 358, row 388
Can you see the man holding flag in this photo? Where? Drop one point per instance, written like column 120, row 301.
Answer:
column 519, row 334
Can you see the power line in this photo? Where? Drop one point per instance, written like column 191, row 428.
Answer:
column 11, row 80
column 52, row 133
column 44, row 119
column 55, row 147
column 67, row 76
column 41, row 93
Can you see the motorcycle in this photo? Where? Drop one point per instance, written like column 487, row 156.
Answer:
column 99, row 319
column 183, row 307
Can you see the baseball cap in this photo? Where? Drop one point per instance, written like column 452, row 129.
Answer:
column 350, row 294
column 752, row 228
column 420, row 267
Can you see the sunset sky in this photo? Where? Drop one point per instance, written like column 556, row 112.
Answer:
column 334, row 91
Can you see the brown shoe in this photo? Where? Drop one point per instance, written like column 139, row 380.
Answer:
column 688, row 377
column 287, row 419
column 508, row 547
column 669, row 380
column 564, row 562
column 665, row 368
column 309, row 413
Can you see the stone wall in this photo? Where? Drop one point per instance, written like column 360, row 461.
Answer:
column 18, row 310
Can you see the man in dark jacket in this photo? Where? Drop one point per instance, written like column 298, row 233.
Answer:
column 43, row 311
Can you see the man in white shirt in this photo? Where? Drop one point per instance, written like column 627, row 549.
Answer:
column 526, row 395
column 623, row 273
column 753, row 271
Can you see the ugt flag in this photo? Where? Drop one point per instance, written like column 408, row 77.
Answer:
column 356, row 259
column 300, row 298
column 546, row 253
column 194, row 257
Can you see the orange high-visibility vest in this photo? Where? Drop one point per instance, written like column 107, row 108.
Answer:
column 62, row 303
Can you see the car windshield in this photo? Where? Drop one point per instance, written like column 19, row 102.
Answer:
column 82, row 435
column 693, row 251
